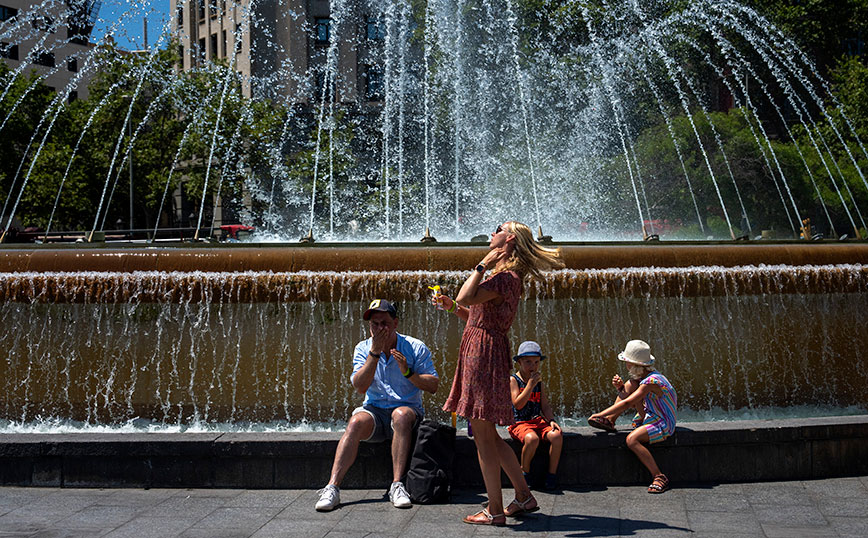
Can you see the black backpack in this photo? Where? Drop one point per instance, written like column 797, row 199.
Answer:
column 429, row 478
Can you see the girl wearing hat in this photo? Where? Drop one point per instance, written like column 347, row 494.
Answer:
column 480, row 388
column 655, row 401
column 534, row 419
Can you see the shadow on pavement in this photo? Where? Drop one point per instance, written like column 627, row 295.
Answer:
column 587, row 526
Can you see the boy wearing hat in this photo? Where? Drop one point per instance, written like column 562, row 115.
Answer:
column 533, row 415
column 655, row 401
column 391, row 370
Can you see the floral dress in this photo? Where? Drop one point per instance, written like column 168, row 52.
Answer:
column 480, row 388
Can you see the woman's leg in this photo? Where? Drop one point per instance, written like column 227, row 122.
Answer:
column 486, row 438
column 510, row 466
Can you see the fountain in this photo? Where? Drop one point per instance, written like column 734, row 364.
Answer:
column 458, row 131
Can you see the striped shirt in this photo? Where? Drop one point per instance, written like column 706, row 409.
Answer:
column 661, row 408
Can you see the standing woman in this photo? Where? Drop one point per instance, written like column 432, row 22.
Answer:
column 480, row 389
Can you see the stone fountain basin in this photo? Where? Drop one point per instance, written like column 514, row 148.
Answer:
column 276, row 257
column 703, row 452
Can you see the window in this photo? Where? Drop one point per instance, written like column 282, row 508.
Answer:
column 44, row 58
column 212, row 8
column 72, row 64
column 237, row 39
column 224, row 44
column 202, row 50
column 214, row 50
column 853, row 46
column 7, row 13
column 180, row 15
column 43, row 23
column 73, row 96
column 76, row 35
column 10, row 52
column 376, row 29
column 201, row 10
column 375, row 83
column 181, row 56
column 321, row 86
column 322, row 31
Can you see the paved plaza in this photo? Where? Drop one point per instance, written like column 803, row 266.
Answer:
column 832, row 507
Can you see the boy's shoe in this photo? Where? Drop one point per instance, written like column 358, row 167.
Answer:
column 398, row 496
column 551, row 481
column 329, row 498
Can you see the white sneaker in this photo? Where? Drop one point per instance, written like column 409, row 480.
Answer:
column 398, row 496
column 329, row 497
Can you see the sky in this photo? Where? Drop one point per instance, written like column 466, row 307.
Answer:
column 129, row 14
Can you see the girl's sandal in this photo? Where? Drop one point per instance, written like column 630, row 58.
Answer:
column 484, row 518
column 602, row 423
column 527, row 506
column 659, row 485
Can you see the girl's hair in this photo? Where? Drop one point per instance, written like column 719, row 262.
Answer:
column 638, row 371
column 529, row 258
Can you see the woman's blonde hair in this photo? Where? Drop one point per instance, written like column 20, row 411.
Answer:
column 529, row 258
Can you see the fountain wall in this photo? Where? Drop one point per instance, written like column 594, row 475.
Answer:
column 109, row 341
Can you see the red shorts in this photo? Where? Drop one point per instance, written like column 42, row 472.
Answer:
column 538, row 425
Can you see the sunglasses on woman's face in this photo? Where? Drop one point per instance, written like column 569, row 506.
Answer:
column 499, row 229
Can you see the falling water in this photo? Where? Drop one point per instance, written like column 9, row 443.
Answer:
column 181, row 348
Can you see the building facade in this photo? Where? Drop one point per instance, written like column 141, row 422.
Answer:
column 280, row 47
column 51, row 41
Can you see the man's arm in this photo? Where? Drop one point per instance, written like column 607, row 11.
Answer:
column 426, row 382
column 423, row 381
column 364, row 376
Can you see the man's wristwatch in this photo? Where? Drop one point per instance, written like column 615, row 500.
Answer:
column 375, row 355
column 480, row 268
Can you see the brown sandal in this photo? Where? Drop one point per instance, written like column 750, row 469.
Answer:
column 516, row 508
column 484, row 518
column 602, row 423
column 659, row 485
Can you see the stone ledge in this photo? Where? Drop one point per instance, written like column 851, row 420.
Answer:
column 699, row 452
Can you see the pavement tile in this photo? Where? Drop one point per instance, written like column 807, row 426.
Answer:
column 778, row 493
column 360, row 520
column 723, row 522
column 216, row 533
column 837, row 487
column 850, row 526
column 281, row 528
column 152, row 527
column 794, row 516
column 192, row 507
column 717, row 502
column 843, row 507
column 140, row 498
column 215, row 493
column 267, row 498
column 250, row 519
column 27, row 515
column 62, row 533
column 773, row 530
column 108, row 517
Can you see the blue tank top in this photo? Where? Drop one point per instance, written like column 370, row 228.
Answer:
column 533, row 407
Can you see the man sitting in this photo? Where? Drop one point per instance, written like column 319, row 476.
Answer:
column 391, row 370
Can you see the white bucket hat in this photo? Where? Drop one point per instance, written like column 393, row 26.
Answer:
column 637, row 352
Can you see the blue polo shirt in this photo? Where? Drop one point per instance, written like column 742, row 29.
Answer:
column 390, row 388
